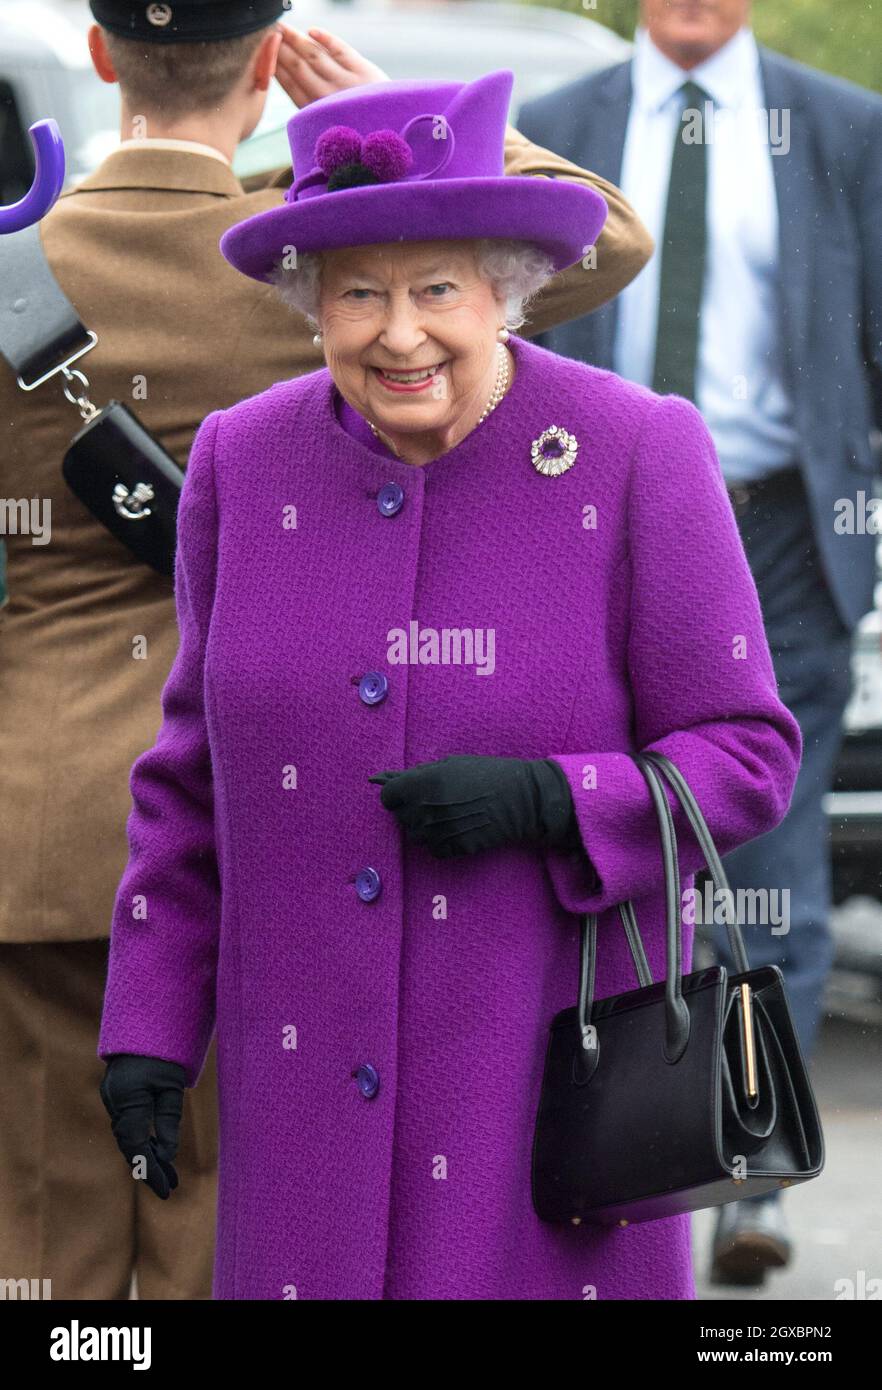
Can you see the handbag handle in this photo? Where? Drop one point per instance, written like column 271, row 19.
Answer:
column 655, row 767
column 677, row 1020
column 712, row 859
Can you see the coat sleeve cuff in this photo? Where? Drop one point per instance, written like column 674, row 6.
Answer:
column 605, row 822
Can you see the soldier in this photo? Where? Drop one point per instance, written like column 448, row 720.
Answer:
column 88, row 634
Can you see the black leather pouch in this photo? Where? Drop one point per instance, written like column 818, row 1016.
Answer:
column 114, row 465
column 128, row 482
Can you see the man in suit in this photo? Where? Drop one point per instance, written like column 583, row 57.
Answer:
column 89, row 634
column 760, row 180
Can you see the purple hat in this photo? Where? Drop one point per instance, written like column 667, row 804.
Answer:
column 412, row 161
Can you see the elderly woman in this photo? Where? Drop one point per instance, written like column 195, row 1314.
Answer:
column 431, row 600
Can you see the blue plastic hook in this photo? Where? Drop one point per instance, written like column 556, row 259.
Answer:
column 48, row 179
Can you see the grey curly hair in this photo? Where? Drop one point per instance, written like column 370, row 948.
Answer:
column 517, row 270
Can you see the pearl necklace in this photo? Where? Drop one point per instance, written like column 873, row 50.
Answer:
column 502, row 379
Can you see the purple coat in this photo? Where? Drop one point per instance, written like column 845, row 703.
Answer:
column 244, row 904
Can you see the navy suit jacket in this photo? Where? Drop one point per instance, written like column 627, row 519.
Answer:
column 829, row 192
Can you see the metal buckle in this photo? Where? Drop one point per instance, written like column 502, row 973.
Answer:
column 87, row 410
column 31, row 386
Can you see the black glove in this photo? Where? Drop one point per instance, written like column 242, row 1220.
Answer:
column 139, row 1094
column 464, row 803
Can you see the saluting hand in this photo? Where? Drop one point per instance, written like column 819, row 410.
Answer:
column 316, row 64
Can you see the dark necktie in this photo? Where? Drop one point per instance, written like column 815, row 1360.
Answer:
column 683, row 255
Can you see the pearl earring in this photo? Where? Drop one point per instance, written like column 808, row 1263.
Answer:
column 317, row 340
column 503, row 335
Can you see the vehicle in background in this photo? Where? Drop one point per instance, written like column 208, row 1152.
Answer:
column 45, row 68
column 854, row 812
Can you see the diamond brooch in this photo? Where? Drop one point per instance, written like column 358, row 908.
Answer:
column 554, row 451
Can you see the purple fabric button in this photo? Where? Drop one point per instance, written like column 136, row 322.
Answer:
column 373, row 687
column 390, row 499
column 367, row 1079
column 367, row 884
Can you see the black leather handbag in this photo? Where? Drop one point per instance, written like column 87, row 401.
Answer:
column 677, row 1095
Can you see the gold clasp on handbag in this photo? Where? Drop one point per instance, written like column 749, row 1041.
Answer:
column 749, row 1042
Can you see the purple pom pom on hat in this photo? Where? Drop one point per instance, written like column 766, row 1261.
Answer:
column 387, row 155
column 384, row 152
column 338, row 145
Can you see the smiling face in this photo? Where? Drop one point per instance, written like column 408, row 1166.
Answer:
column 409, row 334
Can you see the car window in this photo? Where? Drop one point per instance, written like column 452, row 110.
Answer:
column 16, row 158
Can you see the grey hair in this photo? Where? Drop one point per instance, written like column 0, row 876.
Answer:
column 516, row 270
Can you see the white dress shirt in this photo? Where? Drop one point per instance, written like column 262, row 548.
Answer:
column 739, row 383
